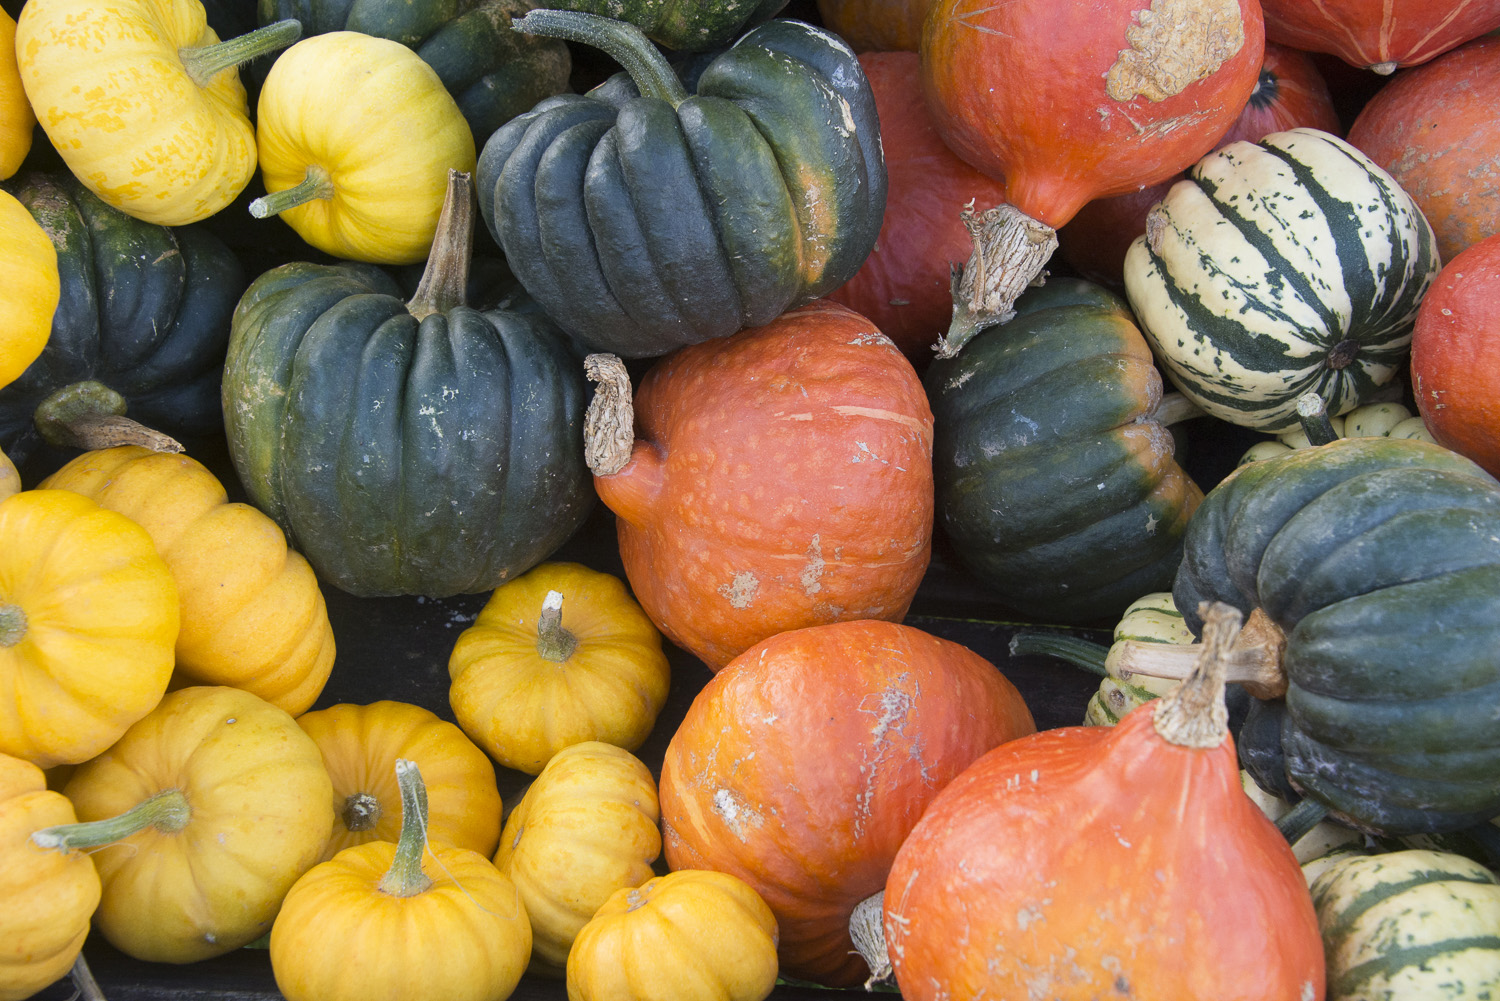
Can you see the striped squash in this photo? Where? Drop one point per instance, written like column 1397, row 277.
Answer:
column 1373, row 420
column 1409, row 925
column 1151, row 618
column 1290, row 265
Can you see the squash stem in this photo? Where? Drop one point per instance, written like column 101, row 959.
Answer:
column 1296, row 822
column 1078, row 652
column 867, row 930
column 553, row 642
column 168, row 811
column 89, row 415
column 316, row 183
column 1175, row 408
column 405, row 877
column 621, row 41
column 204, row 62
column 83, row 980
column 446, row 276
column 1312, row 412
column 1010, row 251
column 1254, row 661
column 12, row 625
column 361, row 812
column 609, row 424
column 1193, row 714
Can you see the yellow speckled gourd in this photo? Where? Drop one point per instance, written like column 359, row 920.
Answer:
column 16, row 119
column 10, row 479
column 32, row 287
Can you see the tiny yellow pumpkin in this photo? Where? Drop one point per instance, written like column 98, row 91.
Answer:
column 30, row 292
column 16, row 119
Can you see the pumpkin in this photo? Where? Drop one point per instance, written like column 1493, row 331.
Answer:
column 1379, row 36
column 585, row 828
column 1081, row 862
column 558, row 656
column 143, row 102
column 1054, row 468
column 88, row 619
column 1121, row 97
column 1432, row 130
column 477, row 474
column 252, row 615
column 780, row 478
column 410, row 919
column 649, row 942
column 642, row 224
column 49, row 896
column 10, row 479
column 217, row 802
column 1454, row 376
column 16, row 118
column 877, row 25
column 687, row 25
column 32, row 288
column 360, row 747
column 156, row 353
column 1282, row 267
column 1387, row 420
column 1409, row 924
column 356, row 136
column 801, row 767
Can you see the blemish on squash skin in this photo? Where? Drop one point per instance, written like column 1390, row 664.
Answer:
column 741, row 591
column 813, row 571
column 1172, row 44
column 737, row 815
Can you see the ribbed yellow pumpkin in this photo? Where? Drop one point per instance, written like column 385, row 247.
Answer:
column 16, row 119
column 10, row 479
column 30, row 291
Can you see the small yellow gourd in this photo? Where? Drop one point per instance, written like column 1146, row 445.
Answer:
column 560, row 655
column 1373, row 420
column 16, row 119
column 30, row 291
column 10, row 479
column 356, row 137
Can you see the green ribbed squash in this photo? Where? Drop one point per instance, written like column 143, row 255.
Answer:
column 686, row 25
column 1276, row 268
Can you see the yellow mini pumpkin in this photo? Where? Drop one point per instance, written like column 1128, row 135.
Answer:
column 356, row 137
column 560, row 655
column 88, row 619
column 586, row 827
column 16, row 119
column 253, row 616
column 30, row 291
column 10, row 479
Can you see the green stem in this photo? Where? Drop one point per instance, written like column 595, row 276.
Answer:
column 405, row 877
column 1175, row 408
column 12, row 625
column 361, row 812
column 1078, row 652
column 553, row 642
column 1312, row 412
column 446, row 275
column 621, row 41
column 1296, row 822
column 204, row 62
column 315, row 184
column 167, row 811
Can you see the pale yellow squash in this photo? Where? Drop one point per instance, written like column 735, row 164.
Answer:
column 10, row 479
column 30, row 290
column 16, row 119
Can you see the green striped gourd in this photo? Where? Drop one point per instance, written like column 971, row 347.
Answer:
column 1373, row 420
column 1151, row 618
column 1275, row 268
column 1409, row 926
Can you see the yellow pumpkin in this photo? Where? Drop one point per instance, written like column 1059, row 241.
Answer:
column 652, row 943
column 213, row 805
column 560, row 655
column 88, row 619
column 143, row 102
column 410, row 920
column 253, row 616
column 16, row 119
column 586, row 827
column 356, row 137
column 49, row 896
column 360, row 747
column 10, row 479
column 30, row 291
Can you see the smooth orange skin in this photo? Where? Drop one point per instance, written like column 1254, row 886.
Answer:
column 877, row 25
column 781, row 478
column 1019, row 91
column 1455, row 355
column 1091, row 862
column 1368, row 33
column 801, row 767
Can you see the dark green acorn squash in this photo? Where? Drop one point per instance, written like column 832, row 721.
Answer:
column 685, row 25
column 142, row 324
column 1379, row 559
column 1054, row 469
column 643, row 224
column 418, row 447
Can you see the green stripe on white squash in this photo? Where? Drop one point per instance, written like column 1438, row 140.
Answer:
column 1276, row 268
column 1410, row 925
column 1373, row 420
column 1151, row 618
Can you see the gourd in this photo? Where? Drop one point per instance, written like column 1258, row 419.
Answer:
column 10, row 479
column 686, row 25
column 1054, row 469
column 361, row 744
column 143, row 102
column 356, row 136
column 643, row 224
column 1384, row 420
column 801, row 767
column 779, row 478
column 32, row 287
column 380, row 919
column 1282, row 267
column 558, row 656
column 1380, row 37
column 88, row 619
column 476, row 476
column 252, row 614
column 877, row 25
column 217, row 802
column 649, row 942
column 48, row 896
column 1083, row 859
column 1121, row 97
column 585, row 828
column 16, row 118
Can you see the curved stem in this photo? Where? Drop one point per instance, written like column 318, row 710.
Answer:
column 621, row 41
column 1078, row 652
column 89, row 415
column 1010, row 250
column 1193, row 714
column 83, row 980
column 867, row 929
column 405, row 877
column 204, row 62
column 316, row 183
column 167, row 811
column 1254, row 661
column 361, row 812
column 1296, row 822
column 1175, row 408
column 446, row 275
column 12, row 625
column 553, row 642
column 609, row 424
column 1312, row 413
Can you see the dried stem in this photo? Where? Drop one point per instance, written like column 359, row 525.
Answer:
column 609, row 425
column 1193, row 714
column 1010, row 250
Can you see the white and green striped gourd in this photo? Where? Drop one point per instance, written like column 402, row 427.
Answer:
column 1373, row 420
column 1151, row 618
column 1276, row 268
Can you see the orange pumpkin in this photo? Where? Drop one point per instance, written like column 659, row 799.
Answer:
column 1379, row 35
column 877, row 25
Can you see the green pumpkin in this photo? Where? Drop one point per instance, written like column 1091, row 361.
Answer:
column 1379, row 558
column 418, row 447
column 141, row 326
column 1054, row 471
column 686, row 25
column 645, row 223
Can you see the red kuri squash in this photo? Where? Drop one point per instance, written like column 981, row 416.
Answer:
column 1379, row 35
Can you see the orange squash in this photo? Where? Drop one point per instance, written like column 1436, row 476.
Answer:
column 1379, row 35
column 877, row 25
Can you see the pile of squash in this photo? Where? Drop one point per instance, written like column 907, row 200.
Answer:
column 824, row 311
